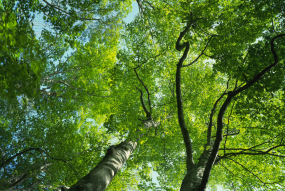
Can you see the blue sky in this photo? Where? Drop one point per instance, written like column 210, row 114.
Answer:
column 132, row 15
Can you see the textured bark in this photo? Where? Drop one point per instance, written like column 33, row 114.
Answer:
column 100, row 177
column 194, row 175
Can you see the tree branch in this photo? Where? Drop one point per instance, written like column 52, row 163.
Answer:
column 256, row 152
column 268, row 68
column 233, row 173
column 148, row 95
column 150, row 58
column 231, row 95
column 186, row 137
column 230, row 134
column 228, row 127
column 141, row 8
column 148, row 114
column 248, row 171
column 201, row 52
column 40, row 150
column 149, row 4
column 18, row 154
column 55, row 7
column 209, row 131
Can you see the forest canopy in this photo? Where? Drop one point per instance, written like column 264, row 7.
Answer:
column 192, row 91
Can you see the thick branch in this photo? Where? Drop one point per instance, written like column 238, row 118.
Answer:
column 186, row 137
column 209, row 131
column 148, row 114
column 180, row 47
column 231, row 95
column 148, row 95
column 268, row 68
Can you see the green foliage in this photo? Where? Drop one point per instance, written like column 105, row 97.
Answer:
column 72, row 90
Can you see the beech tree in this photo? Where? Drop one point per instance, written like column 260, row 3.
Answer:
column 193, row 90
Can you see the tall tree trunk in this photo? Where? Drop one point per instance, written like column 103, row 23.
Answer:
column 100, row 177
column 194, row 175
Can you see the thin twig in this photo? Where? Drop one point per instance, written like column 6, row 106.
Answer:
column 51, row 5
column 248, row 171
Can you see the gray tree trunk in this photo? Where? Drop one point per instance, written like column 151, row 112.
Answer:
column 194, row 176
column 100, row 177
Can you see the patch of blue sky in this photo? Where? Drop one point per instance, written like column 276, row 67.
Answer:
column 135, row 10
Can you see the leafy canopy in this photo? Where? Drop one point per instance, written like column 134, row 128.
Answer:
column 73, row 90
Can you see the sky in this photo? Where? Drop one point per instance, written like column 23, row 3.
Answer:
column 132, row 14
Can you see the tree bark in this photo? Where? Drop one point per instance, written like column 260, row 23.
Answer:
column 194, row 176
column 100, row 177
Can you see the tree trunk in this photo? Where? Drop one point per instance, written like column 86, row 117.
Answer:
column 100, row 177
column 194, row 176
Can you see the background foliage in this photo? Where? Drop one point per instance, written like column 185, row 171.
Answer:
column 70, row 92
